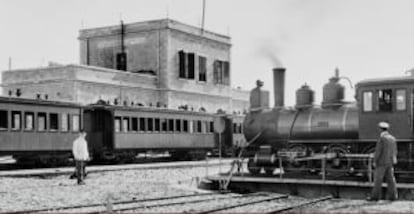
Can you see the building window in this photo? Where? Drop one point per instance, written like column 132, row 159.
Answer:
column 75, row 122
column 202, row 69
column 221, row 73
column 16, row 120
column 41, row 121
column 186, row 65
column 53, row 122
column 4, row 120
column 401, row 99
column 367, row 101
column 28, row 121
column 65, row 123
column 385, row 100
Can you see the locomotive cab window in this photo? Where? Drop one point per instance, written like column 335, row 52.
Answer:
column 400, row 97
column 16, row 120
column 367, row 101
column 53, row 122
column 4, row 120
column 385, row 100
column 28, row 121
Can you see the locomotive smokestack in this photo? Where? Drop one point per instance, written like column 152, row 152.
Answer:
column 279, row 86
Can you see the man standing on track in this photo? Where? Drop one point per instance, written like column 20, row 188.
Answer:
column 81, row 155
column 385, row 158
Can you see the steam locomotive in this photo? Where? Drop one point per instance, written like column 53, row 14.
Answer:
column 342, row 133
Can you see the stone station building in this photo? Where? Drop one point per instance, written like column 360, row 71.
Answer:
column 160, row 63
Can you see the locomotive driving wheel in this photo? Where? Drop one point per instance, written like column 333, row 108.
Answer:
column 298, row 151
column 338, row 163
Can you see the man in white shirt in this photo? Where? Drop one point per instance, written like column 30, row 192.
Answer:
column 81, row 155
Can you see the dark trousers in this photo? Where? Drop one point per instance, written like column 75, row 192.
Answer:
column 80, row 170
column 380, row 173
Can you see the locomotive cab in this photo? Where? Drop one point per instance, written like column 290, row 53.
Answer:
column 387, row 100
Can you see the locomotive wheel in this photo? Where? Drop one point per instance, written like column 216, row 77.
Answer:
column 252, row 167
column 338, row 163
column 298, row 165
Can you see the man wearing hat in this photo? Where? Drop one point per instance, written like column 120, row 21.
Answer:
column 385, row 157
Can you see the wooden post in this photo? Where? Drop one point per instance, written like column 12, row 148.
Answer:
column 369, row 169
column 324, row 168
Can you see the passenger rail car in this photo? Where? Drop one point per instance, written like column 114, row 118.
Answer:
column 31, row 129
column 41, row 132
column 343, row 133
column 124, row 131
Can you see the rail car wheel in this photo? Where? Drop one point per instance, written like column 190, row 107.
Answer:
column 338, row 163
column 252, row 167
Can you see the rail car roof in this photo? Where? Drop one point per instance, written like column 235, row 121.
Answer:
column 389, row 80
column 152, row 109
column 26, row 101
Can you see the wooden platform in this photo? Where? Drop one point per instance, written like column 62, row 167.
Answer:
column 303, row 187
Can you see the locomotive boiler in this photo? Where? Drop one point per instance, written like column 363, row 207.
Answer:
column 335, row 129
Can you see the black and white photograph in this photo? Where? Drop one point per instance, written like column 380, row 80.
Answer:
column 207, row 106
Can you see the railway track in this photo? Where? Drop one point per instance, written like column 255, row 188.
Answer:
column 200, row 203
column 105, row 168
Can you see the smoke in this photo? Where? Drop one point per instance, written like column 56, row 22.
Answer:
column 269, row 51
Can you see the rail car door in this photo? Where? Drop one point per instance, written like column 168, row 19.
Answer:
column 100, row 128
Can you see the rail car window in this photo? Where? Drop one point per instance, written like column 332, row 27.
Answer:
column 125, row 124
column 178, row 125
column 16, row 120
column 150, row 124
column 28, row 121
column 53, row 122
column 367, row 101
column 4, row 119
column 185, row 125
column 385, row 100
column 117, row 124
column 134, row 124
column 164, row 125
column 211, row 126
column 142, row 124
column 171, row 125
column 157, row 124
column 64, row 127
column 199, row 126
column 401, row 99
column 75, row 122
column 191, row 126
column 41, row 121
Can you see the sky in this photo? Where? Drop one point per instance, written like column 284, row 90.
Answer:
column 310, row 38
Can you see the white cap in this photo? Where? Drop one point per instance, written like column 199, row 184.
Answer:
column 384, row 125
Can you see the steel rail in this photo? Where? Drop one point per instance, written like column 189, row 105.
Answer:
column 241, row 204
column 104, row 204
column 279, row 210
